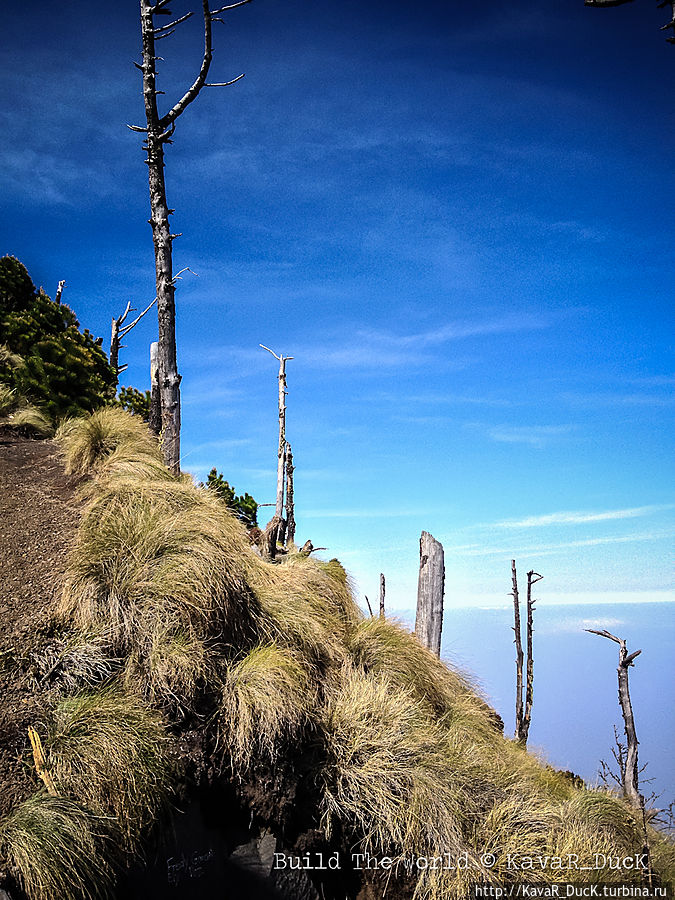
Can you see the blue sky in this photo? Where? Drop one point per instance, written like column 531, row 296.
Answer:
column 458, row 224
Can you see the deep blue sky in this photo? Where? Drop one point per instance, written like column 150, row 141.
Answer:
column 458, row 223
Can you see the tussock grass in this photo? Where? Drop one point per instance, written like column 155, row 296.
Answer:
column 145, row 556
column 16, row 413
column 266, row 698
column 173, row 670
column 8, row 400
column 413, row 758
column 386, row 777
column 383, row 646
column 78, row 661
column 29, row 420
column 86, row 441
column 55, row 849
column 110, row 750
column 305, row 604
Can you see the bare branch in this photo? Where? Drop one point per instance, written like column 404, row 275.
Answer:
column 196, row 86
column 604, row 634
column 137, row 128
column 127, row 328
column 225, row 83
column 270, row 351
column 159, row 37
column 185, row 269
column 173, row 24
column 370, row 608
column 606, row 2
column 215, row 12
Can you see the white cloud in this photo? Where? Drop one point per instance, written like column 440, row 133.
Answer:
column 580, row 518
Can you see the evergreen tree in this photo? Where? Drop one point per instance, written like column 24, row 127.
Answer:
column 244, row 507
column 64, row 370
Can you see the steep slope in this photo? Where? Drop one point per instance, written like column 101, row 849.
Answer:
column 39, row 515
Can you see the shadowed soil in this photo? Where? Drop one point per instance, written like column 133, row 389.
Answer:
column 38, row 519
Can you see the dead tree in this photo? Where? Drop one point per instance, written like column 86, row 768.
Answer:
column 290, row 502
column 119, row 330
column 524, row 715
column 630, row 763
column 281, row 450
column 382, row 589
column 59, row 292
column 661, row 5
column 159, row 131
column 532, row 578
column 519, row 649
column 155, row 419
column 430, row 589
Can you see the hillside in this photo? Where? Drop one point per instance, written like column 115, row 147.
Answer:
column 201, row 710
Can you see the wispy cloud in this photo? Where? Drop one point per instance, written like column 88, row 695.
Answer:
column 537, row 436
column 549, row 549
column 581, row 518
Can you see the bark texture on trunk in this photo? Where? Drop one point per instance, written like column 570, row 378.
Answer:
column 519, row 651
column 281, row 448
column 158, row 132
column 290, row 499
column 532, row 579
column 630, row 770
column 155, row 420
column 430, row 589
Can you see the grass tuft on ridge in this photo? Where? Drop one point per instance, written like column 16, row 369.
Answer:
column 110, row 751
column 266, row 698
column 87, row 440
column 57, row 849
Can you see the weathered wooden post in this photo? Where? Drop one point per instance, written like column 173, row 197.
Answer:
column 430, row 589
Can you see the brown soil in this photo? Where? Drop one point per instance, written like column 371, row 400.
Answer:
column 38, row 518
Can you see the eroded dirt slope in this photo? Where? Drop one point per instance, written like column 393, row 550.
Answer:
column 38, row 519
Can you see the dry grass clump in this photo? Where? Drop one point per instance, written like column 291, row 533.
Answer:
column 386, row 778
column 173, row 670
column 110, row 750
column 304, row 604
column 8, row 400
column 266, row 699
column 86, row 441
column 383, row 646
column 30, row 420
column 75, row 662
column 55, row 849
column 22, row 416
column 145, row 556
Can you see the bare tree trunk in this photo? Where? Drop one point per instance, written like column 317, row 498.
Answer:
column 159, row 131
column 382, row 590
column 630, row 770
column 59, row 292
column 519, row 653
column 268, row 545
column 370, row 608
column 281, row 451
column 155, row 419
column 430, row 589
column 532, row 578
column 290, row 502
